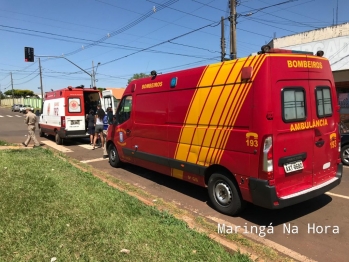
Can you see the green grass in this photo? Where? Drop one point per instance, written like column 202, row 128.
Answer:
column 3, row 143
column 48, row 208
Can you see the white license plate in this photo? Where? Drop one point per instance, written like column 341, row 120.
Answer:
column 75, row 122
column 295, row 166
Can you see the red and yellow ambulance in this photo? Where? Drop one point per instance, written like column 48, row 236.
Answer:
column 261, row 129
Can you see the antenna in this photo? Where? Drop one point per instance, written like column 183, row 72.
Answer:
column 333, row 16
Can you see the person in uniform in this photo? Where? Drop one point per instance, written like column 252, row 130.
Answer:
column 30, row 120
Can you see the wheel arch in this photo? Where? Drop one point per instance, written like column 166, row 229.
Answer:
column 108, row 143
column 218, row 168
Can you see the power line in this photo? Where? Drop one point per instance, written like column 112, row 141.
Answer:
column 163, row 42
column 27, row 80
column 132, row 24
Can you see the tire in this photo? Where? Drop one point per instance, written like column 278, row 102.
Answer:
column 345, row 155
column 41, row 134
column 224, row 194
column 58, row 139
column 114, row 159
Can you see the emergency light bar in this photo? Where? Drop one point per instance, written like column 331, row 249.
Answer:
column 268, row 49
column 278, row 50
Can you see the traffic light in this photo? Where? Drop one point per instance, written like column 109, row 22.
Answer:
column 28, row 54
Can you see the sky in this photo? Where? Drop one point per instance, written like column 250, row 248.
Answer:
column 117, row 39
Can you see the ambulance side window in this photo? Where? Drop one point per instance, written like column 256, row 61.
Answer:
column 293, row 104
column 124, row 110
column 323, row 101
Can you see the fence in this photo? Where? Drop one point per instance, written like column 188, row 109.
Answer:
column 32, row 101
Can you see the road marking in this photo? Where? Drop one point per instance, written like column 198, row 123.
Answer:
column 18, row 116
column 1, row 116
column 86, row 146
column 8, row 115
column 336, row 195
column 57, row 147
column 93, row 160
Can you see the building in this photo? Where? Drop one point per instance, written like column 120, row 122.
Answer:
column 117, row 91
column 334, row 41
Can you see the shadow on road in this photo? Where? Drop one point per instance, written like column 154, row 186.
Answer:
column 178, row 185
column 252, row 213
column 262, row 216
column 69, row 142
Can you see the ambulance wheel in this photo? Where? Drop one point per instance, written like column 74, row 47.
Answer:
column 114, row 159
column 41, row 134
column 345, row 155
column 58, row 139
column 224, row 194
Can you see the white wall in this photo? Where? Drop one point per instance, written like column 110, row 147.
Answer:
column 34, row 102
column 336, row 51
column 333, row 40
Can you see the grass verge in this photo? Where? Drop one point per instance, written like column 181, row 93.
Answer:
column 52, row 209
column 3, row 143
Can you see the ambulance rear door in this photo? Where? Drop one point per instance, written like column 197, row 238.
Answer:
column 293, row 137
column 325, row 130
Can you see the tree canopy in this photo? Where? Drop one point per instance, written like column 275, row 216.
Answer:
column 19, row 93
column 137, row 76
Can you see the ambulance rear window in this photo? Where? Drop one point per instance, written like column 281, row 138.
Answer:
column 74, row 105
column 293, row 104
column 323, row 101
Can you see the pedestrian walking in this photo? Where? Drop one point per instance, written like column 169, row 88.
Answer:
column 30, row 121
column 91, row 125
column 99, row 126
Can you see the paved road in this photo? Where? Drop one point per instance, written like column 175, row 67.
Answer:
column 331, row 209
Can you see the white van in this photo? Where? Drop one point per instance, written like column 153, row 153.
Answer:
column 64, row 112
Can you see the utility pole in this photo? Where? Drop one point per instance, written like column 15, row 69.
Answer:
column 13, row 98
column 93, row 82
column 232, row 19
column 222, row 40
column 0, row 95
column 41, row 87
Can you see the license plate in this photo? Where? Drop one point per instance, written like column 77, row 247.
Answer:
column 75, row 122
column 295, row 166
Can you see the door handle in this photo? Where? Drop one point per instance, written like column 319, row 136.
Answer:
column 128, row 132
column 320, row 143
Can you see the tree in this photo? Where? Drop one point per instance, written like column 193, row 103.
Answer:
column 19, row 93
column 137, row 76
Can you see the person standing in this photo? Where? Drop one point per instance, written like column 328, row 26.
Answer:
column 99, row 126
column 30, row 120
column 91, row 125
column 110, row 115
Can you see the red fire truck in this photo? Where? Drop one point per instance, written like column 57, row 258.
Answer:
column 261, row 129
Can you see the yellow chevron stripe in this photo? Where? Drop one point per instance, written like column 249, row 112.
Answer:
column 206, row 130
column 186, row 116
column 206, row 156
column 247, row 89
column 189, row 140
column 234, row 101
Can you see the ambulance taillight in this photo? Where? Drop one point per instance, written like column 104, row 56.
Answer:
column 62, row 121
column 267, row 159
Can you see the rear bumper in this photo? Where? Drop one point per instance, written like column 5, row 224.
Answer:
column 265, row 196
column 72, row 134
